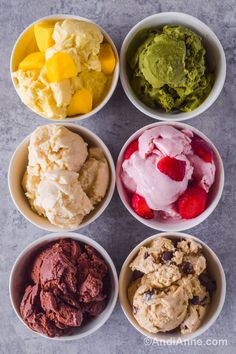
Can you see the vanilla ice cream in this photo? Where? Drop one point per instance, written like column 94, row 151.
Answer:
column 54, row 147
column 61, row 199
column 94, row 175
column 64, row 181
column 170, row 293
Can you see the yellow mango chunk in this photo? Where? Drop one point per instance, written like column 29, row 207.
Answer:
column 33, row 61
column 81, row 102
column 60, row 66
column 43, row 34
column 107, row 58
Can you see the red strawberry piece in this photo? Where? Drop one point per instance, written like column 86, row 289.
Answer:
column 202, row 149
column 172, row 167
column 131, row 149
column 192, row 202
column 139, row 205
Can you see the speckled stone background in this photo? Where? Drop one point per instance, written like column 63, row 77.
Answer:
column 116, row 230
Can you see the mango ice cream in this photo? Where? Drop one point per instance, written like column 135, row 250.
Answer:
column 71, row 71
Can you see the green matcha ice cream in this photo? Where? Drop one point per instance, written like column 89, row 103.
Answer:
column 167, row 68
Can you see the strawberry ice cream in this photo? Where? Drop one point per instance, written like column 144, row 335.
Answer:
column 168, row 172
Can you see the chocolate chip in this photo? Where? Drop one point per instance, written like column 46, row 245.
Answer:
column 195, row 300
column 207, row 282
column 175, row 243
column 135, row 310
column 187, row 268
column 204, row 278
column 137, row 274
column 167, row 255
column 145, row 255
column 148, row 295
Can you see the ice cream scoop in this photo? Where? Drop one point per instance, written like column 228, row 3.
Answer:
column 168, row 173
column 69, row 69
column 167, row 68
column 54, row 147
column 170, row 293
column 94, row 175
column 64, row 179
column 61, row 199
column 67, row 287
column 162, row 61
column 160, row 312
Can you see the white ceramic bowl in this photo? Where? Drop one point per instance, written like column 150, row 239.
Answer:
column 215, row 269
column 17, row 169
column 213, row 196
column 27, row 36
column 16, row 282
column 214, row 54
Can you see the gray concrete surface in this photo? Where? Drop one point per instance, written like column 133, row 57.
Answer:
column 116, row 230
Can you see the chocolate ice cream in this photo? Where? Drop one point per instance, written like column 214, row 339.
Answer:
column 66, row 288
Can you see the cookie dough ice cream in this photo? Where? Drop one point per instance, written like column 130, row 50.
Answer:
column 168, row 173
column 69, row 72
column 173, row 290
column 167, row 68
column 67, row 286
column 65, row 178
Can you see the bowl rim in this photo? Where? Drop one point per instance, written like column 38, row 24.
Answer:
column 181, row 116
column 115, row 74
column 172, row 227
column 110, row 191
column 123, row 292
column 80, row 238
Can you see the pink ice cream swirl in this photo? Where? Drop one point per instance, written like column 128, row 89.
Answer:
column 141, row 175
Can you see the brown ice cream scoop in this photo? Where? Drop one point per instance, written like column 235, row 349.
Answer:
column 68, row 288
column 90, row 288
column 90, row 262
column 60, row 312
column 54, row 268
column 94, row 308
column 33, row 316
column 29, row 302
column 71, row 249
